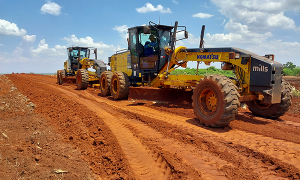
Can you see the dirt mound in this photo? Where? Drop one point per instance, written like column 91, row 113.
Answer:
column 29, row 149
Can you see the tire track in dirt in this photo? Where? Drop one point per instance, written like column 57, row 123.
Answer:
column 262, row 169
column 273, row 147
column 204, row 161
column 201, row 161
column 142, row 163
column 284, row 120
column 286, row 152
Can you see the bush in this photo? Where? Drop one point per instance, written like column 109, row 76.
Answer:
column 296, row 71
column 287, row 72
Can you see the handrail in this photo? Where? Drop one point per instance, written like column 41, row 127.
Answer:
column 121, row 50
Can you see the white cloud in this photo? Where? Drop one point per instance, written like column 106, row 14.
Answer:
column 104, row 50
column 224, row 21
column 24, row 57
column 175, row 2
column 278, row 47
column 51, row 8
column 202, row 15
column 259, row 15
column 150, row 8
column 239, row 35
column 273, row 6
column 59, row 47
column 283, row 51
column 87, row 41
column 9, row 28
column 279, row 20
column 253, row 42
column 41, row 47
column 122, row 30
column 29, row 38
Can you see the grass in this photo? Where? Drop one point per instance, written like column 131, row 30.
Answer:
column 295, row 92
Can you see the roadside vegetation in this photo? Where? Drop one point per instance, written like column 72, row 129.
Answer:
column 289, row 69
column 203, row 72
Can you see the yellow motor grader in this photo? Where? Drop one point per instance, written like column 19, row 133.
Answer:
column 143, row 71
column 78, row 65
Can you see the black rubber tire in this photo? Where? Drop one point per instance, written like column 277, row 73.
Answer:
column 82, row 79
column 226, row 101
column 58, row 77
column 104, row 81
column 275, row 110
column 62, row 76
column 119, row 86
column 63, row 73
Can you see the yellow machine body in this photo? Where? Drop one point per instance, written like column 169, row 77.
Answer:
column 181, row 57
column 121, row 62
column 151, row 57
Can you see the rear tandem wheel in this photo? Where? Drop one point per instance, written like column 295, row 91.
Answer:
column 105, row 80
column 273, row 111
column 215, row 100
column 119, row 86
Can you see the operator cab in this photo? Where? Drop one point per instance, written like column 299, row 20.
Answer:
column 74, row 53
column 146, row 45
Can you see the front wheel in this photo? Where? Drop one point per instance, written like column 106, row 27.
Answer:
column 59, row 77
column 215, row 100
column 82, row 79
column 273, row 111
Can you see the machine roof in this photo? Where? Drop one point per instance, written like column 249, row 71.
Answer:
column 163, row 27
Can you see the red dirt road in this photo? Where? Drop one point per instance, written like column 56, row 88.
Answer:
column 48, row 131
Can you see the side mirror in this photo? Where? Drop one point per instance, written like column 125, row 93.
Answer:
column 95, row 51
column 186, row 34
column 70, row 49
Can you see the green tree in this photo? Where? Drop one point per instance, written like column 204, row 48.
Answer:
column 289, row 65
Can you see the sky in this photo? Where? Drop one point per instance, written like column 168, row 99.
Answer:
column 35, row 34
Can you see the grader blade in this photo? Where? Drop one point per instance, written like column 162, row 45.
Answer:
column 69, row 80
column 174, row 96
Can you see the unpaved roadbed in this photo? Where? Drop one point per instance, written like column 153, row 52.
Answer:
column 126, row 140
